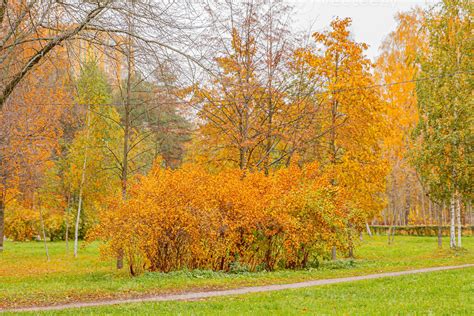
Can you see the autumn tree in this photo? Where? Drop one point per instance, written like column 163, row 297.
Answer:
column 351, row 125
column 443, row 155
column 88, row 156
column 245, row 116
column 397, row 69
column 94, row 160
column 30, row 130
column 161, row 116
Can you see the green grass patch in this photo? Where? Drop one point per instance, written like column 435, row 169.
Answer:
column 27, row 278
column 434, row 293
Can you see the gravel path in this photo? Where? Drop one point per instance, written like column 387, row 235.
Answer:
column 244, row 290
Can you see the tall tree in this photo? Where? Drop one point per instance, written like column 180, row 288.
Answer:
column 87, row 151
column 352, row 122
column 30, row 130
column 397, row 63
column 443, row 156
column 244, row 110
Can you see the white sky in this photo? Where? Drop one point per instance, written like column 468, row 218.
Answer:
column 372, row 20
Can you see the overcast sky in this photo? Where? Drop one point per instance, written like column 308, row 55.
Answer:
column 372, row 19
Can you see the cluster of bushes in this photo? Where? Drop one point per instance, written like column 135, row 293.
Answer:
column 23, row 222
column 27, row 227
column 190, row 218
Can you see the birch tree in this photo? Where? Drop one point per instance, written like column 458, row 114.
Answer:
column 87, row 159
column 443, row 154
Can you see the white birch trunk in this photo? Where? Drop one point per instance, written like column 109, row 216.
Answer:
column 458, row 218
column 81, row 185
column 43, row 231
column 440, row 225
column 68, row 209
column 368, row 229
column 452, row 232
column 470, row 212
column 78, row 215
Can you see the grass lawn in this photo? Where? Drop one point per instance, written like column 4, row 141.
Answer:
column 26, row 278
column 434, row 293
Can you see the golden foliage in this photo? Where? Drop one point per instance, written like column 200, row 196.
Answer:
column 351, row 124
column 190, row 218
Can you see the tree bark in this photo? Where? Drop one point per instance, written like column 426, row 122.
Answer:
column 43, row 232
column 459, row 221
column 470, row 212
column 430, row 211
column 81, row 185
column 127, row 123
column 2, row 220
column 66, row 221
column 369, row 232
column 79, row 207
column 440, row 227
column 452, row 232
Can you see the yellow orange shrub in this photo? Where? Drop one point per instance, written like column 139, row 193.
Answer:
column 190, row 218
column 21, row 223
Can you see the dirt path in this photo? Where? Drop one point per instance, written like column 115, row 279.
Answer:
column 244, row 290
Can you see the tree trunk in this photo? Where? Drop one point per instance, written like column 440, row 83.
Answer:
column 333, row 253
column 470, row 212
column 459, row 222
column 269, row 144
column 43, row 232
column 78, row 216
column 423, row 207
column 452, row 213
column 369, row 232
column 243, row 158
column 81, row 184
column 127, row 126
column 440, row 227
column 2, row 220
column 68, row 209
column 389, row 231
column 430, row 211
column 443, row 217
column 407, row 210
column 350, row 241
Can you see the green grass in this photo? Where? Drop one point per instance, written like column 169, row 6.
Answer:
column 434, row 293
column 26, row 278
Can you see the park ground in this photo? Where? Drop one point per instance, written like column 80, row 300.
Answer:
column 28, row 279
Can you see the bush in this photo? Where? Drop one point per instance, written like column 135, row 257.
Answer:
column 21, row 223
column 192, row 219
